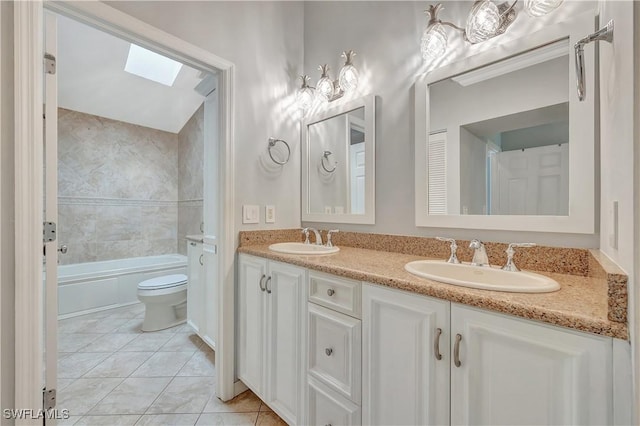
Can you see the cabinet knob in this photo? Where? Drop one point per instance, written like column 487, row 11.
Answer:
column 331, row 292
column 192, row 244
column 328, row 351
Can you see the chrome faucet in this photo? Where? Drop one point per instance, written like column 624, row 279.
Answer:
column 510, row 265
column 317, row 234
column 480, row 257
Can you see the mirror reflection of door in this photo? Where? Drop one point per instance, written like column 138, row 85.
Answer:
column 356, row 164
column 533, row 181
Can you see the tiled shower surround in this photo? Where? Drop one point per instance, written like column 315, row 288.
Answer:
column 120, row 186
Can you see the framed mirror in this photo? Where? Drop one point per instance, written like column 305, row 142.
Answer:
column 502, row 141
column 338, row 164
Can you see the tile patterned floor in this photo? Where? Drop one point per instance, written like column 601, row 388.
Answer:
column 111, row 373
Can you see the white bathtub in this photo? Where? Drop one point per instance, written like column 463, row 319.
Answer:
column 94, row 286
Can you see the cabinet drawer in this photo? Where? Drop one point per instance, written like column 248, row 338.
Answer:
column 328, row 408
column 334, row 351
column 335, row 293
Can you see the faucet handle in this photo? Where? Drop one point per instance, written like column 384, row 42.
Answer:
column 454, row 247
column 305, row 231
column 329, row 233
column 475, row 244
column 510, row 265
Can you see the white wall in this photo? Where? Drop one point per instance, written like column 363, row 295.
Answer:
column 618, row 182
column 264, row 41
column 386, row 38
column 7, row 279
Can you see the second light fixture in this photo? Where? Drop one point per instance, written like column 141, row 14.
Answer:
column 328, row 90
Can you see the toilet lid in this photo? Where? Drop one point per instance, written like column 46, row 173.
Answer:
column 165, row 281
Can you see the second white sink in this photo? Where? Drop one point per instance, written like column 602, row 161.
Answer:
column 485, row 278
column 302, row 248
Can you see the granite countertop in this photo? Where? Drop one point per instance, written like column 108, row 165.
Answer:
column 582, row 303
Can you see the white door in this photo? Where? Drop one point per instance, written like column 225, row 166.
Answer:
column 251, row 321
column 283, row 286
column 356, row 169
column 211, row 288
column 534, row 181
column 50, row 316
column 514, row 372
column 403, row 381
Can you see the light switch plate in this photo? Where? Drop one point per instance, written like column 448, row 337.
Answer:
column 250, row 213
column 269, row 214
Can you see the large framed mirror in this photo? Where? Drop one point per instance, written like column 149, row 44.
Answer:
column 338, row 163
column 502, row 141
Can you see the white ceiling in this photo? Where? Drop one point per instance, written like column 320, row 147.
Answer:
column 91, row 79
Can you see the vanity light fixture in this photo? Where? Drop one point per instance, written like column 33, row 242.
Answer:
column 328, row 90
column 486, row 20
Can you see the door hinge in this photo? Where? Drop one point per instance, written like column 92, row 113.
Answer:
column 48, row 399
column 48, row 232
column 49, row 63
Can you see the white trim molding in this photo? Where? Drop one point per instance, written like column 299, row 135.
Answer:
column 28, row 67
column 29, row 170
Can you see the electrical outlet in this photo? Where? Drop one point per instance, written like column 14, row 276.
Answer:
column 339, row 210
column 250, row 214
column 327, row 209
column 269, row 214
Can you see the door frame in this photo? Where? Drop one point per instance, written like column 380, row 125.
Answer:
column 28, row 36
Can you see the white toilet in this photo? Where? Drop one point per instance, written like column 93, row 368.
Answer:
column 165, row 300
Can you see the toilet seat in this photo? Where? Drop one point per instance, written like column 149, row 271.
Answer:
column 163, row 282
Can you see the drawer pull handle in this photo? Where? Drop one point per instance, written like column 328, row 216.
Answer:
column 328, row 351
column 266, row 285
column 456, row 351
column 436, row 344
column 201, row 260
column 261, row 280
column 331, row 292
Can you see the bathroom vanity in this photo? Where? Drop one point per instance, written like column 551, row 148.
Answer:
column 352, row 338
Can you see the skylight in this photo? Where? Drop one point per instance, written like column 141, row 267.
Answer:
column 152, row 66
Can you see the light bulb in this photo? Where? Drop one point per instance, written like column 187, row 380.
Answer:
column 348, row 79
column 434, row 42
column 305, row 94
column 324, row 88
column 483, row 21
column 537, row 8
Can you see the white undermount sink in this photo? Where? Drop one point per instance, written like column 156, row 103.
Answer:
column 485, row 278
column 302, row 248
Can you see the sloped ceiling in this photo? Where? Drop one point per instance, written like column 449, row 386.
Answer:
column 91, row 79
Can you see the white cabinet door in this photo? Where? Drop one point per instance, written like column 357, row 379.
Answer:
column 403, row 382
column 251, row 322
column 195, row 286
column 284, row 286
column 514, row 371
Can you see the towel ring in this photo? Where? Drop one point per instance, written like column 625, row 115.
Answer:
column 272, row 143
column 325, row 156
